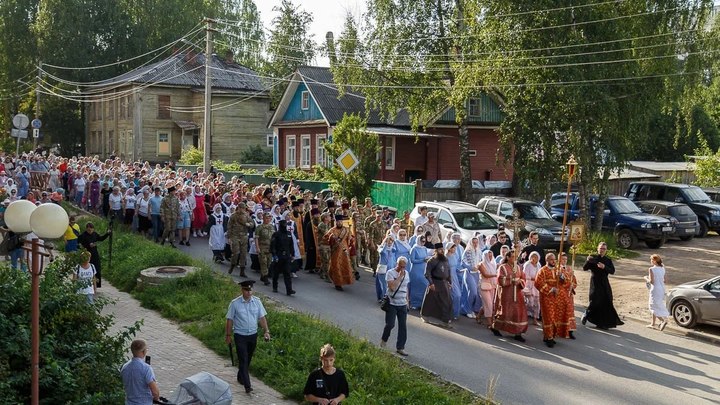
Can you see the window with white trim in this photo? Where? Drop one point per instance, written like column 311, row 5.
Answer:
column 305, row 151
column 290, row 151
column 269, row 139
column 321, row 154
column 390, row 153
column 474, row 107
column 163, row 143
column 305, row 100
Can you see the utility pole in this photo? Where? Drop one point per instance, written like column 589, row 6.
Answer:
column 37, row 101
column 208, row 95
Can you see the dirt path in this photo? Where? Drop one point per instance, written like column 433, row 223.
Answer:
column 684, row 261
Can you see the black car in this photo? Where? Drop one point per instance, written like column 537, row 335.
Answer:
column 713, row 193
column 707, row 211
column 682, row 218
column 535, row 216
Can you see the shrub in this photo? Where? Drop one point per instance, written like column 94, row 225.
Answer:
column 257, row 154
column 79, row 362
column 191, row 156
column 588, row 246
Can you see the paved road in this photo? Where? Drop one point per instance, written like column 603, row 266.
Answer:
column 627, row 366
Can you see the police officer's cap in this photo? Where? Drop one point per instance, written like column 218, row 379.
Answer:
column 247, row 284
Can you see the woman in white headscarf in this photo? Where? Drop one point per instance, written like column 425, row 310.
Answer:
column 218, row 226
column 488, row 285
column 532, row 295
column 471, row 260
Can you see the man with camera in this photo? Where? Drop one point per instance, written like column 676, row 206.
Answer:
column 138, row 377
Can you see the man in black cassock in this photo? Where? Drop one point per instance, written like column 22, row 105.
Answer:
column 600, row 310
column 89, row 240
column 437, row 302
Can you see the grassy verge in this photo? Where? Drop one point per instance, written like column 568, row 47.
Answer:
column 199, row 302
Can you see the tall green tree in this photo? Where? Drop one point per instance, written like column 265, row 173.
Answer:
column 290, row 44
column 350, row 134
column 243, row 35
column 583, row 79
column 405, row 55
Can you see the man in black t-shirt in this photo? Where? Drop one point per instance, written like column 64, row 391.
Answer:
column 327, row 384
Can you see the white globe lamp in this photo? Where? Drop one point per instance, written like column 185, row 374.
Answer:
column 17, row 216
column 49, row 221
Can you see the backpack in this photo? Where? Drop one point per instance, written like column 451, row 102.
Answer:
column 11, row 242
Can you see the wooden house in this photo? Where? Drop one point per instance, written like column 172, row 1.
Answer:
column 152, row 113
column 311, row 108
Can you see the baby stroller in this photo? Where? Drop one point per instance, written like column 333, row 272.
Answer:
column 202, row 388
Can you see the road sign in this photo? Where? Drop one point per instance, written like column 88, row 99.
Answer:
column 21, row 121
column 36, row 123
column 347, row 161
column 36, row 133
column 19, row 133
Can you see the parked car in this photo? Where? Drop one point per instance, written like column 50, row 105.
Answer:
column 456, row 216
column 535, row 216
column 695, row 302
column 707, row 211
column 682, row 218
column 622, row 217
column 713, row 193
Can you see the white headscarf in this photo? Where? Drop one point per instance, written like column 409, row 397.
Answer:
column 489, row 262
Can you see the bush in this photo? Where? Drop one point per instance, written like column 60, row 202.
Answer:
column 588, row 246
column 79, row 363
column 199, row 302
column 191, row 156
column 257, row 154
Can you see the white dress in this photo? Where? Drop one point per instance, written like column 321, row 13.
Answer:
column 657, row 292
column 217, row 232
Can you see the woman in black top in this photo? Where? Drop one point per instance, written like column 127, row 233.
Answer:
column 326, row 385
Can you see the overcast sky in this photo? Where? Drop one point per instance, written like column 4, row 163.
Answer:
column 329, row 15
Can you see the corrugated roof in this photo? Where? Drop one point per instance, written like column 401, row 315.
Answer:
column 325, row 93
column 662, row 166
column 187, row 69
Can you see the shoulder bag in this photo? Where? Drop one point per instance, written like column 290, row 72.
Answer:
column 385, row 304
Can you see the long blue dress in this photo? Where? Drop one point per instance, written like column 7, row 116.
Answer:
column 418, row 282
column 455, row 262
column 402, row 250
column 387, row 257
column 474, row 302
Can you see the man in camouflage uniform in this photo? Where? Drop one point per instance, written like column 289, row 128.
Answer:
column 323, row 248
column 239, row 227
column 375, row 231
column 263, row 236
column 366, row 211
column 169, row 213
column 361, row 236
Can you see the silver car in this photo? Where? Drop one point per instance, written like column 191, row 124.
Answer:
column 695, row 302
column 461, row 217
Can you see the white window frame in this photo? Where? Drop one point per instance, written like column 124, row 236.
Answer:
column 305, row 151
column 389, row 147
column 305, row 100
column 157, row 143
column 269, row 140
column 321, row 156
column 472, row 152
column 290, row 157
column 478, row 106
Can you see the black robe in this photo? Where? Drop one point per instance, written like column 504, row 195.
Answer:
column 85, row 240
column 600, row 310
column 310, row 248
column 438, row 303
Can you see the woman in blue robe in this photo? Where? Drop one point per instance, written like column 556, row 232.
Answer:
column 455, row 262
column 419, row 231
column 387, row 262
column 402, row 246
column 471, row 260
column 419, row 255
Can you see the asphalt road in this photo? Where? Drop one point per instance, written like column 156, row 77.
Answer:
column 629, row 365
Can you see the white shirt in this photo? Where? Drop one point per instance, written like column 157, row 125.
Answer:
column 115, row 201
column 400, row 298
column 130, row 202
column 85, row 276
column 143, row 206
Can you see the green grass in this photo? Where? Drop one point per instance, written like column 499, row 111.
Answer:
column 199, row 302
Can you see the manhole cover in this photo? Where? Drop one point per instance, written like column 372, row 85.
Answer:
column 170, row 270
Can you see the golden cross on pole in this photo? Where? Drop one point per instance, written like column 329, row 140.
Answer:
column 516, row 224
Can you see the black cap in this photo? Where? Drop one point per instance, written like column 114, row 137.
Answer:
column 295, row 204
column 313, row 201
column 340, row 217
column 301, row 200
column 171, row 189
column 439, row 246
column 247, row 284
column 331, row 204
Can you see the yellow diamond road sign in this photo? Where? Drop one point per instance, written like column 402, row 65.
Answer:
column 347, row 161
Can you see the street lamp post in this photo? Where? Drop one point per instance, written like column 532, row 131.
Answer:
column 572, row 165
column 48, row 221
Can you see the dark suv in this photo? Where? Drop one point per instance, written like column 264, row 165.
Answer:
column 622, row 217
column 707, row 211
column 682, row 218
column 535, row 216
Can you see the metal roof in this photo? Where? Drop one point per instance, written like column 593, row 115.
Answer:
column 319, row 81
column 392, row 131
column 662, row 166
column 632, row 174
column 187, row 70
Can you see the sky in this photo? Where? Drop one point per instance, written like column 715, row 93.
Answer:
column 329, row 15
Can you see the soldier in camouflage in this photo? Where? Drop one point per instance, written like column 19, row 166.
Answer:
column 169, row 213
column 375, row 231
column 263, row 236
column 324, row 249
column 239, row 227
